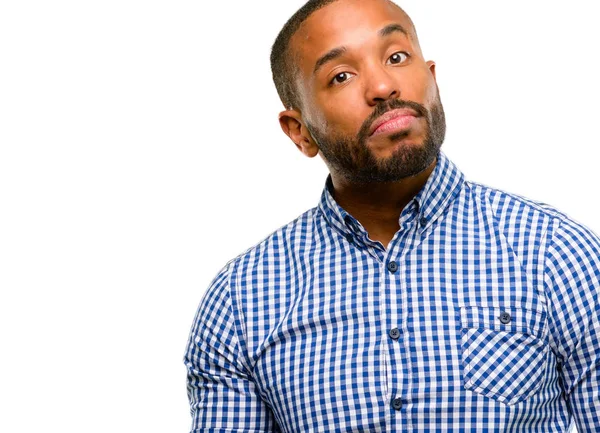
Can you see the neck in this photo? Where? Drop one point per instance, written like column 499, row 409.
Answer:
column 377, row 206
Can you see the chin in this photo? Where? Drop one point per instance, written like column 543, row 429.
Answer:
column 396, row 144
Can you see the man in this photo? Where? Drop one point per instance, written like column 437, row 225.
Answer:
column 409, row 299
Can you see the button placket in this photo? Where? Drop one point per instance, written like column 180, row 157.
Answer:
column 396, row 348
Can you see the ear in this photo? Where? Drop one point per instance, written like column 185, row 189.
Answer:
column 431, row 67
column 293, row 126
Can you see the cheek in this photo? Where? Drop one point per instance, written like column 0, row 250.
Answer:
column 420, row 88
column 336, row 117
column 432, row 95
column 430, row 90
column 344, row 112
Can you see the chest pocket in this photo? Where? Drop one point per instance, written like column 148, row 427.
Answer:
column 504, row 354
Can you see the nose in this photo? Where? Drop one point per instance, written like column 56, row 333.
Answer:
column 380, row 86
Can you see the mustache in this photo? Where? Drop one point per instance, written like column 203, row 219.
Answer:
column 385, row 106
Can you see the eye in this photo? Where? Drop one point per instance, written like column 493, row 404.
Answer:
column 397, row 58
column 340, row 78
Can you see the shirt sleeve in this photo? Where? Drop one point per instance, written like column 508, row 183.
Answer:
column 222, row 394
column 573, row 283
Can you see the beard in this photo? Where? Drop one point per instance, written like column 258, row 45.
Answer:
column 350, row 157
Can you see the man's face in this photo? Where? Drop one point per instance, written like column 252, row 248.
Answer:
column 369, row 99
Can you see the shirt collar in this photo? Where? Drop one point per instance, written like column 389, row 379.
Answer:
column 443, row 185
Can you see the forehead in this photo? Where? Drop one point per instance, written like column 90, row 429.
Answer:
column 348, row 23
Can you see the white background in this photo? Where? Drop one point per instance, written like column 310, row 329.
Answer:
column 140, row 151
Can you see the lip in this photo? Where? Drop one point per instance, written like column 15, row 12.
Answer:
column 392, row 121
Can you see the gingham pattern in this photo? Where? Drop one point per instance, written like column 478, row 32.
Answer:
column 294, row 334
column 518, row 373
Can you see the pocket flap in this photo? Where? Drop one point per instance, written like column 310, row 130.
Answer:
column 509, row 319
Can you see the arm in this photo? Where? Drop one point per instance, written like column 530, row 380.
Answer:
column 223, row 396
column 573, row 283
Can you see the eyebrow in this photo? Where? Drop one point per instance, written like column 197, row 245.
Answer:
column 339, row 51
column 392, row 28
column 329, row 56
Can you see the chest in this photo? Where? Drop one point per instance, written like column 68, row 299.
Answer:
column 354, row 340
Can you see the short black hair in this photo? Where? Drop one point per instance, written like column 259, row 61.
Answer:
column 283, row 65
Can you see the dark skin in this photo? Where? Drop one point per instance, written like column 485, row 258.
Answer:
column 341, row 94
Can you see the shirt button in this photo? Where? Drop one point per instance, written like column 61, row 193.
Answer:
column 505, row 318
column 392, row 266
column 394, row 334
column 423, row 222
column 397, row 403
column 350, row 224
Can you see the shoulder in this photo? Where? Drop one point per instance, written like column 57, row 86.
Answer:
column 571, row 250
column 278, row 246
column 538, row 229
column 280, row 240
column 504, row 202
column 253, row 265
column 574, row 254
column 506, row 205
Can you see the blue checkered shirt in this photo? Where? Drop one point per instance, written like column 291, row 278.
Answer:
column 481, row 315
